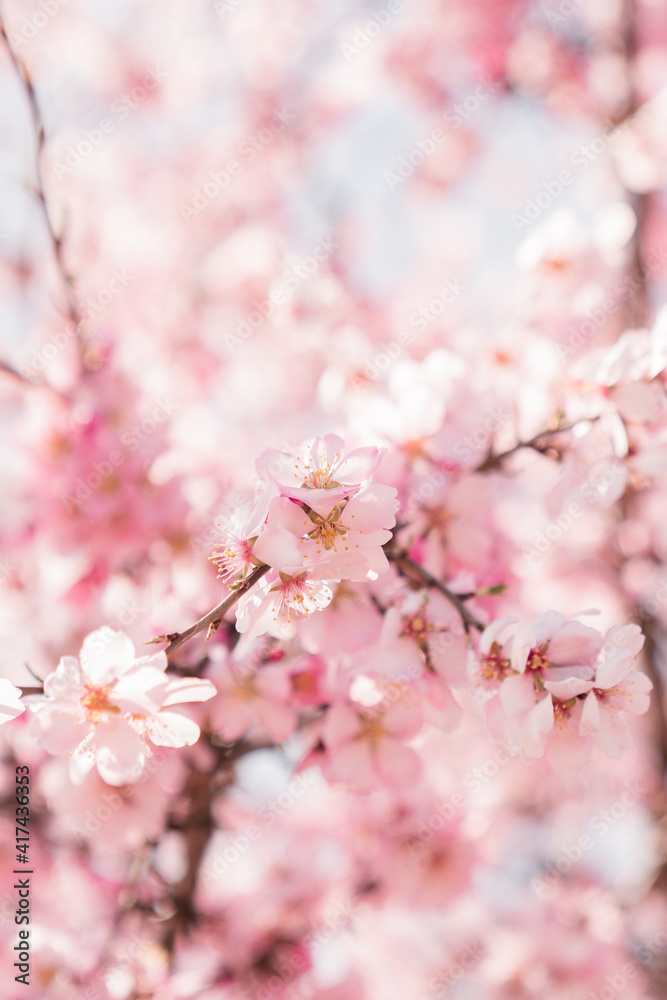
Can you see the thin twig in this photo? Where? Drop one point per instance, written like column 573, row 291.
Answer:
column 493, row 461
column 652, row 651
column 72, row 310
column 412, row 569
column 214, row 617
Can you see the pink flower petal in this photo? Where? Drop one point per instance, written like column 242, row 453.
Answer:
column 105, row 655
column 58, row 732
column 397, row 765
column 568, row 752
column 65, row 681
column 171, row 729
column 614, row 736
column 631, row 695
column 568, row 688
column 273, row 683
column 517, row 694
column 232, row 719
column 188, row 689
column 523, row 641
column 575, row 643
column 119, row 752
column 352, row 764
column 341, row 724
column 590, row 716
column 279, row 721
column 358, row 465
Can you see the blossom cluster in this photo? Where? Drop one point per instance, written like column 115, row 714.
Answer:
column 318, row 519
column 562, row 686
column 386, row 750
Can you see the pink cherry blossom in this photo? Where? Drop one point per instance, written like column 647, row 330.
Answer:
column 348, row 540
column 616, row 689
column 557, row 683
column 320, row 474
column 251, row 696
column 104, row 708
column 280, row 601
column 367, row 745
column 328, row 237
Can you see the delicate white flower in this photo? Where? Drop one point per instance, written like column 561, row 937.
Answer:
column 104, row 709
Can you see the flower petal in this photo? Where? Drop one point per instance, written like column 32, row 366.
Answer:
column 397, row 765
column 105, row 655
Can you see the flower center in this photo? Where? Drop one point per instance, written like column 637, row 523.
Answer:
column 562, row 712
column 537, row 659
column 495, row 667
column 328, row 531
column 372, row 729
column 234, row 559
column 304, row 683
column 317, row 479
column 95, row 701
column 246, row 689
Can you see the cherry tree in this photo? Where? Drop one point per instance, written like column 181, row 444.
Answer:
column 333, row 375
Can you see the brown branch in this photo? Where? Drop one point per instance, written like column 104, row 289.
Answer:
column 214, row 617
column 409, row 568
column 652, row 656
column 193, row 817
column 494, row 461
column 72, row 309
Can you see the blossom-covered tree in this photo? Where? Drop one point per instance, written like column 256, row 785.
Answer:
column 334, row 384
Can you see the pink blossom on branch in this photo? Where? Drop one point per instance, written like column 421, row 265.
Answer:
column 108, row 707
column 320, row 474
column 562, row 685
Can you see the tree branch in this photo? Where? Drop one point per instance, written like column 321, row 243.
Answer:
column 409, row 568
column 213, row 618
column 72, row 309
column 494, row 461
